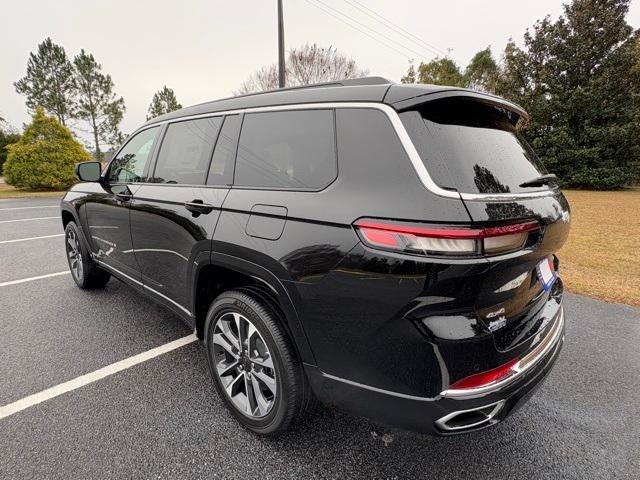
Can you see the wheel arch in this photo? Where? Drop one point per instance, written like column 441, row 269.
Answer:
column 67, row 216
column 225, row 272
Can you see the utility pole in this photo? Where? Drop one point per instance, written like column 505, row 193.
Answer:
column 281, row 71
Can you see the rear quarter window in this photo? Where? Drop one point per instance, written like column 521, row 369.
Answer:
column 289, row 150
column 472, row 147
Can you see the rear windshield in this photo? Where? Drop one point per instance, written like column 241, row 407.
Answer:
column 472, row 147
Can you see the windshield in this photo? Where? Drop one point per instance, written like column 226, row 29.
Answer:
column 472, row 147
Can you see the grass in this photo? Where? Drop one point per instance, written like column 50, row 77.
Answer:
column 7, row 191
column 602, row 255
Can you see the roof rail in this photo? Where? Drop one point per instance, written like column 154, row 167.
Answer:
column 365, row 81
column 348, row 82
column 337, row 83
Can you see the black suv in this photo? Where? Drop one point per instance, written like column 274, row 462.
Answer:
column 385, row 248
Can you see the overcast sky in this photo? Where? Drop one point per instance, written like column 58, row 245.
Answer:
column 204, row 49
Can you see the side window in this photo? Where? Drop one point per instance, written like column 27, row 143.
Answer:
column 289, row 149
column 186, row 151
column 128, row 166
column 221, row 170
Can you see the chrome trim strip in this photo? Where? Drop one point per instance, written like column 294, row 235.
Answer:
column 525, row 363
column 118, row 272
column 398, row 126
column 442, row 422
column 508, row 197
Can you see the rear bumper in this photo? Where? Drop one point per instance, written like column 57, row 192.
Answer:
column 451, row 412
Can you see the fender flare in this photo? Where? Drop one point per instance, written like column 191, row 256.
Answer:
column 277, row 288
column 68, row 207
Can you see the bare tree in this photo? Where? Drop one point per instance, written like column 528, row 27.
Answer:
column 305, row 65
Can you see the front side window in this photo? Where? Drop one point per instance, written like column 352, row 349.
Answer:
column 186, row 151
column 128, row 165
column 289, row 149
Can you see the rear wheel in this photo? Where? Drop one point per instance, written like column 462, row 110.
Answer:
column 253, row 363
column 85, row 272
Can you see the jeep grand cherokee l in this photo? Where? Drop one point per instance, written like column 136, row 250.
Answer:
column 388, row 249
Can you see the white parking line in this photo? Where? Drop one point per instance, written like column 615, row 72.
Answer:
column 94, row 376
column 31, row 238
column 26, row 208
column 30, row 279
column 27, row 219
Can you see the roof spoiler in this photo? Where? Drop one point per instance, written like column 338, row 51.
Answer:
column 487, row 98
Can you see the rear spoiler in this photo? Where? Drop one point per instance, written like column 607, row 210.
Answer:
column 517, row 113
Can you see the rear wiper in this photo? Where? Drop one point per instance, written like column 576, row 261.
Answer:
column 541, row 180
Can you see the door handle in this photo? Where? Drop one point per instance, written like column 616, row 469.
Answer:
column 198, row 206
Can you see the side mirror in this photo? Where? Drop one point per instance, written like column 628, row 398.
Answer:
column 88, row 171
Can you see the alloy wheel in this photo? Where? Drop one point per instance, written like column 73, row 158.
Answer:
column 75, row 255
column 244, row 365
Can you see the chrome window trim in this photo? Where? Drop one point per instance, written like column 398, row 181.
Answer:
column 508, row 197
column 398, row 126
column 118, row 272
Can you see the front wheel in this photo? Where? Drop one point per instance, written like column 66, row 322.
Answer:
column 253, row 363
column 85, row 272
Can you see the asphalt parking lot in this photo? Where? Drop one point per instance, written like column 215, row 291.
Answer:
column 162, row 418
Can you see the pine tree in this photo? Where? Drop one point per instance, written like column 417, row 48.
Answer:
column 97, row 104
column 49, row 82
column 163, row 101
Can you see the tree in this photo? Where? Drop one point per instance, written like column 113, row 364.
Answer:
column 163, row 101
column 576, row 78
column 482, row 72
column 440, row 71
column 8, row 135
column 305, row 65
column 45, row 155
column 97, row 103
column 49, row 82
column 410, row 77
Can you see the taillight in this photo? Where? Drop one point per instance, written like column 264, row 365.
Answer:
column 411, row 238
column 484, row 379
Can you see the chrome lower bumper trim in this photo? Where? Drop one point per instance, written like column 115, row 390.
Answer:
column 527, row 362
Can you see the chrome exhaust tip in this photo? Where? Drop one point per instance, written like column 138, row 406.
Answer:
column 471, row 418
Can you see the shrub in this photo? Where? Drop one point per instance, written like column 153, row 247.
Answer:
column 45, row 155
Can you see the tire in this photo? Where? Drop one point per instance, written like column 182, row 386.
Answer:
column 284, row 391
column 85, row 272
